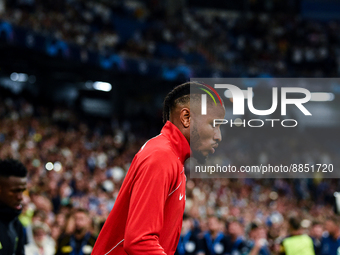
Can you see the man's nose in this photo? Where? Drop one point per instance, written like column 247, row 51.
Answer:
column 218, row 135
column 20, row 196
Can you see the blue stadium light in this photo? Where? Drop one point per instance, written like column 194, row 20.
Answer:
column 102, row 86
column 20, row 77
column 14, row 76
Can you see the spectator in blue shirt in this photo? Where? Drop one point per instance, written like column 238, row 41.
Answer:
column 330, row 244
column 257, row 240
column 316, row 235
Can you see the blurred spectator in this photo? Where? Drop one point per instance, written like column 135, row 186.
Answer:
column 188, row 242
column 214, row 241
column 316, row 235
column 297, row 242
column 80, row 240
column 330, row 243
column 42, row 243
column 258, row 242
column 236, row 233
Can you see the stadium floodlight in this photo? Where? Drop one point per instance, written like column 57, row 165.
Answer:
column 20, row 77
column 322, row 96
column 14, row 76
column 49, row 166
column 57, row 166
column 102, row 86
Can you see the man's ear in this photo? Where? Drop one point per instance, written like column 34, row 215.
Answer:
column 185, row 117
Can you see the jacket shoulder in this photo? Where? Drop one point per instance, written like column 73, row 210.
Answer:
column 158, row 147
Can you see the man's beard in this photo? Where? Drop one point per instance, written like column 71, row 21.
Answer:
column 199, row 157
column 78, row 230
column 195, row 142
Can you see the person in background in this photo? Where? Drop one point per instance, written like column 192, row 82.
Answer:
column 330, row 243
column 315, row 233
column 257, row 242
column 13, row 183
column 297, row 242
column 214, row 241
column 80, row 241
column 188, row 241
column 38, row 216
column 236, row 233
column 43, row 244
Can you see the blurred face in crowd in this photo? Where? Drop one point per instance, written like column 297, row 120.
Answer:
column 214, row 224
column 81, row 221
column 253, row 234
column 204, row 137
column 186, row 226
column 39, row 235
column 61, row 219
column 235, row 229
column 262, row 233
column 258, row 233
column 11, row 191
column 55, row 231
column 316, row 231
column 331, row 227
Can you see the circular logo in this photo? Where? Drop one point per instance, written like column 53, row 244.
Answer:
column 218, row 248
column 87, row 249
column 190, row 246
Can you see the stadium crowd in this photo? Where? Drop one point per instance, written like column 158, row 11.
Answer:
column 73, row 163
column 253, row 44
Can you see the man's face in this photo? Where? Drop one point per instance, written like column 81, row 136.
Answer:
column 317, row 231
column 11, row 191
column 234, row 229
column 330, row 227
column 81, row 221
column 186, row 225
column 213, row 224
column 204, row 137
column 39, row 235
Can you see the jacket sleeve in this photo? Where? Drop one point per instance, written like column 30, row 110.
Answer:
column 146, row 210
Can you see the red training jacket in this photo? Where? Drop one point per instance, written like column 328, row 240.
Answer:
column 147, row 215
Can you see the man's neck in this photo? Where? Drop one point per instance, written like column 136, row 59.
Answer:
column 234, row 238
column 297, row 232
column 214, row 234
column 185, row 231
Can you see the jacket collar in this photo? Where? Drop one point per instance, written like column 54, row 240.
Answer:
column 8, row 213
column 178, row 142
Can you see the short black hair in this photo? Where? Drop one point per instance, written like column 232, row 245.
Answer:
column 12, row 167
column 81, row 210
column 294, row 222
column 181, row 94
column 185, row 216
